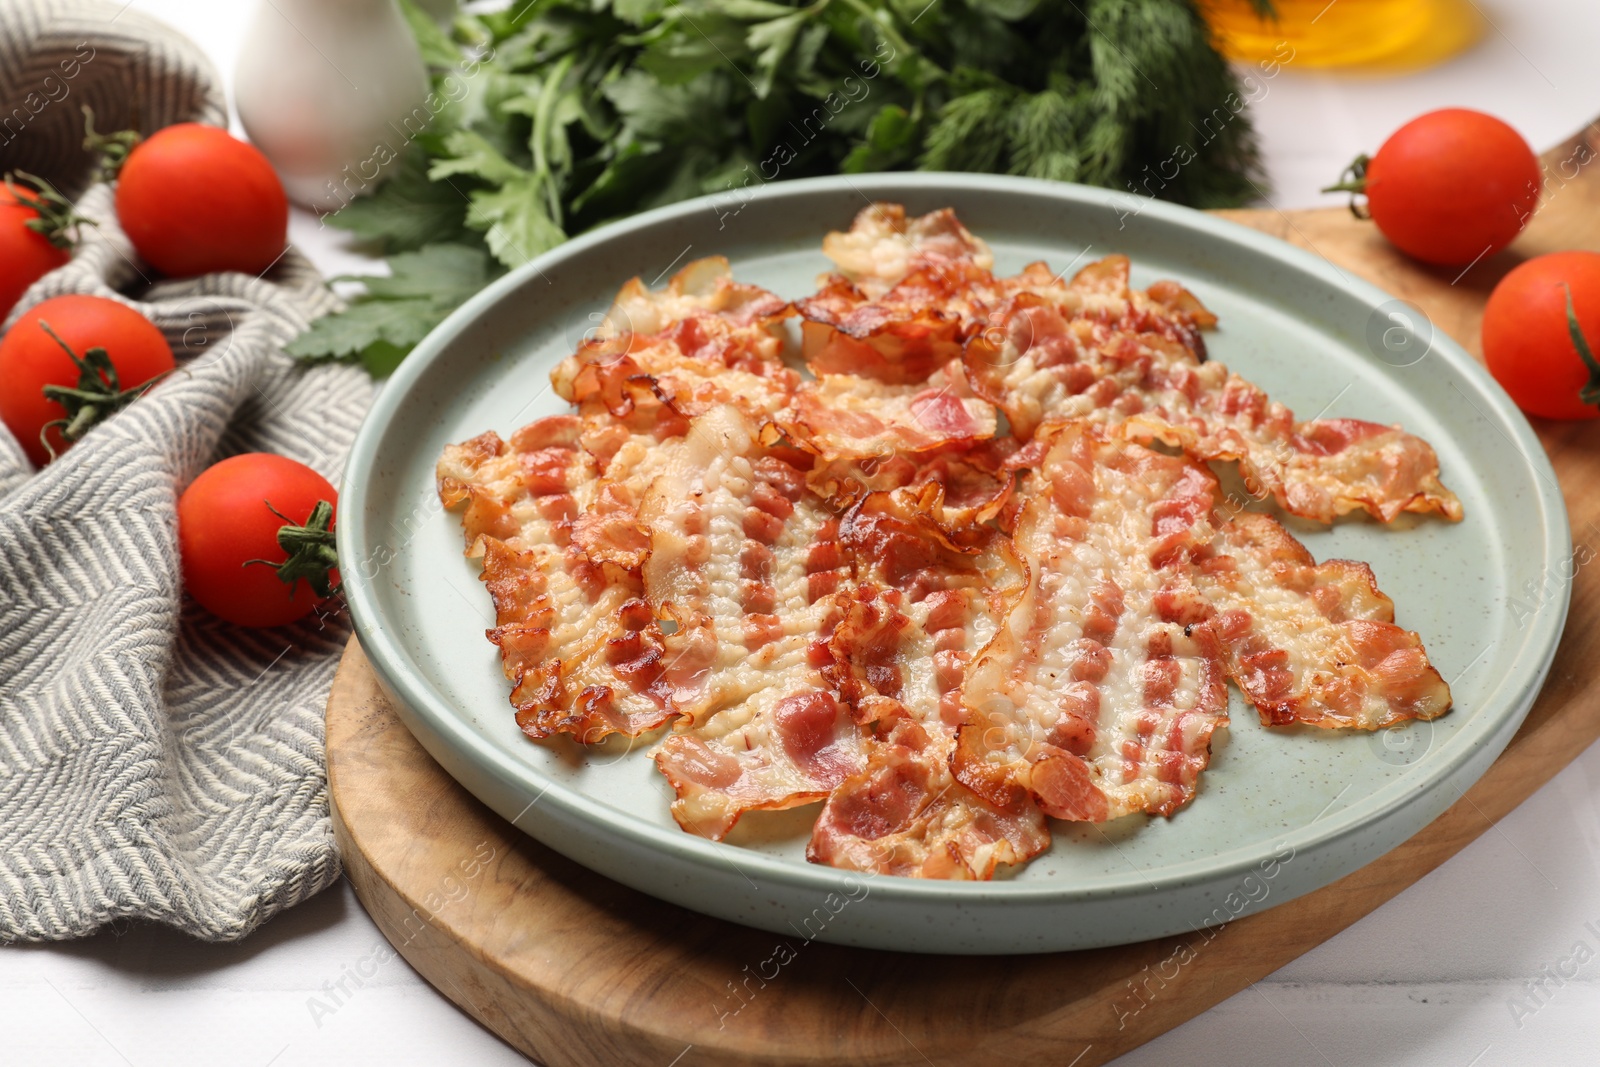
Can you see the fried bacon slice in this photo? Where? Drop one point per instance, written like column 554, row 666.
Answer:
column 1038, row 348
column 841, row 416
column 622, row 410
column 1311, row 643
column 695, row 366
column 861, row 713
column 1051, row 361
column 905, row 814
column 963, row 485
column 1100, row 292
column 741, row 567
column 702, row 340
column 1317, row 470
column 904, row 301
column 703, row 288
column 576, row 638
column 930, row 315
column 1042, row 361
column 882, row 247
column 1101, row 691
column 780, row 747
column 733, row 548
column 901, row 337
column 897, row 649
column 1092, row 700
column 918, row 598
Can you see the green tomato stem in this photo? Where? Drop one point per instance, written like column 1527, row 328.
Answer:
column 311, row 550
column 1590, row 393
column 97, row 396
column 1354, row 181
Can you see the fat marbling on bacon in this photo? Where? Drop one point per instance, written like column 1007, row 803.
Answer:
column 1092, row 698
column 941, row 583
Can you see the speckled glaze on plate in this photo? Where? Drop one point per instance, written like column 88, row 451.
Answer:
column 1279, row 813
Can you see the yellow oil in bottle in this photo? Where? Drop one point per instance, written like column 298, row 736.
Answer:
column 1376, row 35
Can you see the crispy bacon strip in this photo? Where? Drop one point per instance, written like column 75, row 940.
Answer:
column 1041, row 362
column 918, row 598
column 962, row 486
column 576, row 639
column 776, row 749
column 840, row 416
column 742, row 564
column 927, row 317
column 882, row 246
column 703, row 340
column 621, row 409
column 1091, row 700
column 872, row 597
column 732, row 551
column 705, row 287
column 905, row 814
column 1100, row 292
column 1318, row 470
column 1100, row 693
column 685, row 373
column 903, row 336
column 897, row 649
column 1312, row 643
column 1138, row 366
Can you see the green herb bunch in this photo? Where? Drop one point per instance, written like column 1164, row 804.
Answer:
column 554, row 116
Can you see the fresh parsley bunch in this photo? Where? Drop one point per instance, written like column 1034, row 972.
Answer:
column 554, row 116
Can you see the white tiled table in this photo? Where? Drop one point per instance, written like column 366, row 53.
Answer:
column 1438, row 977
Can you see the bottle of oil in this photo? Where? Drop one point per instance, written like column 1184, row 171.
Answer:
column 1375, row 35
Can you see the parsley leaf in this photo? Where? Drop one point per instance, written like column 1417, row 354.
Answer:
column 515, row 221
column 438, row 50
column 398, row 310
column 407, row 211
column 445, row 273
column 467, row 152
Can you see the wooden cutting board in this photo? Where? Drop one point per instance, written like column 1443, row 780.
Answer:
column 578, row 971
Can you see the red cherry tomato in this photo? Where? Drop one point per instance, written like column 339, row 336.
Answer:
column 194, row 199
column 31, row 359
column 1452, row 186
column 25, row 254
column 1527, row 339
column 227, row 519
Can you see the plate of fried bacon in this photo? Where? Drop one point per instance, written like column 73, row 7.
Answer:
column 953, row 563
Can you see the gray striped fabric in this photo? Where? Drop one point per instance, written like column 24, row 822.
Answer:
column 154, row 762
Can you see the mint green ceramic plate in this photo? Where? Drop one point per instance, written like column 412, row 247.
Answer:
column 1279, row 813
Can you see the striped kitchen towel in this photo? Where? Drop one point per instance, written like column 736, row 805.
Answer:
column 155, row 762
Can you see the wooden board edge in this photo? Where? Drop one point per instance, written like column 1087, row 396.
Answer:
column 430, row 944
column 1142, row 1007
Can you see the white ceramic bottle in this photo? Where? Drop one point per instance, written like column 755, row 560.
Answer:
column 325, row 89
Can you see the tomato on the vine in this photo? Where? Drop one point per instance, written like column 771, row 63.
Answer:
column 1528, row 335
column 1449, row 187
column 34, row 239
column 195, row 199
column 71, row 361
column 256, row 535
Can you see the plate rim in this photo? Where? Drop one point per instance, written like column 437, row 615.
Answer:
column 405, row 679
